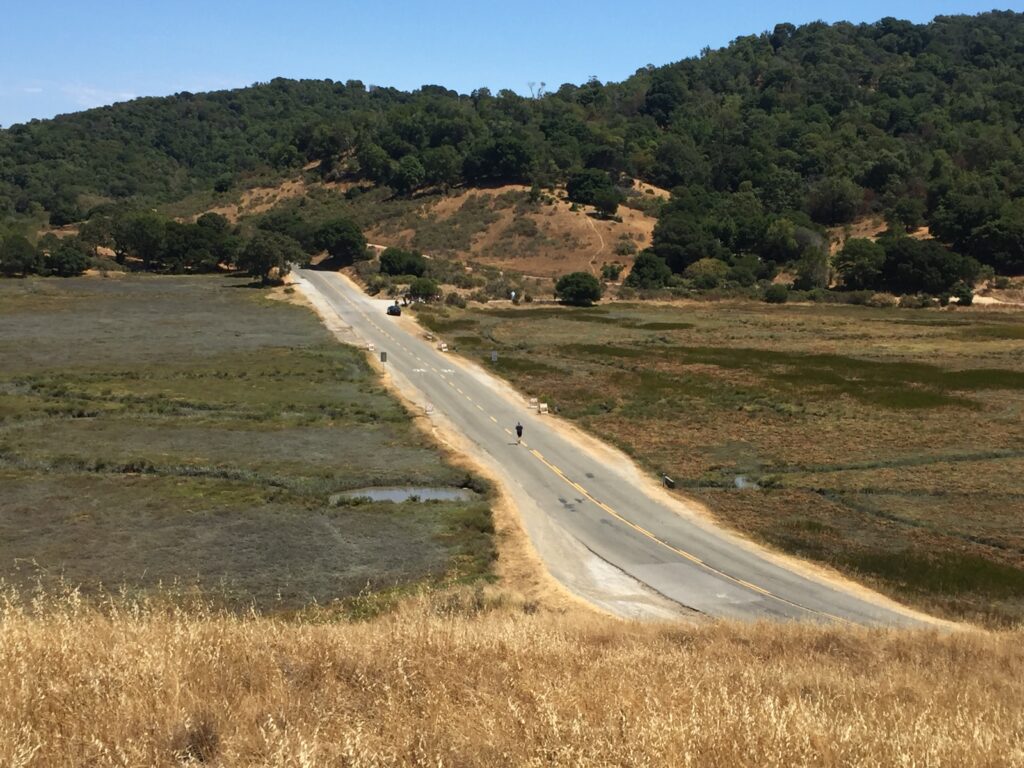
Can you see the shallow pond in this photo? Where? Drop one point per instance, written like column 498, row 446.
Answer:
column 406, row 493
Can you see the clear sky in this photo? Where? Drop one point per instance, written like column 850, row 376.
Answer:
column 66, row 55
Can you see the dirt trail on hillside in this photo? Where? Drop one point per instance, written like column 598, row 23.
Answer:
column 600, row 248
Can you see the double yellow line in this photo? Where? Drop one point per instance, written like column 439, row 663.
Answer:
column 676, row 550
column 638, row 528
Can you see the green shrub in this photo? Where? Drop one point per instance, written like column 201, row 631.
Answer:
column 707, row 273
column 964, row 294
column 397, row 261
column 776, row 294
column 522, row 226
column 860, row 298
column 377, row 283
column 625, row 246
column 578, row 289
column 423, row 288
column 611, row 271
column 453, row 299
column 916, row 301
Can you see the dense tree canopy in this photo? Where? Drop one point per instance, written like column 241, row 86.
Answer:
column 762, row 143
column 398, row 261
column 18, row 256
column 268, row 254
column 578, row 289
column 859, row 265
column 343, row 241
column 67, row 259
column 924, row 266
column 649, row 271
column 593, row 186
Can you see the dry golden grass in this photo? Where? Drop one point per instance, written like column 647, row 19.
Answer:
column 563, row 240
column 472, row 680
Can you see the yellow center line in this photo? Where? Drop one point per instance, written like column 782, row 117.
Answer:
column 681, row 552
column 607, row 509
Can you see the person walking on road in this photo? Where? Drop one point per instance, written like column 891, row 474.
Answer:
column 519, row 433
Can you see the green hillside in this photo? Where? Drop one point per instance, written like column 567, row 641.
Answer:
column 763, row 142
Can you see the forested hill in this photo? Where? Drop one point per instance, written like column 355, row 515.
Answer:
column 818, row 122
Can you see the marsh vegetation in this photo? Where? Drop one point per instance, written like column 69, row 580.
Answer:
column 189, row 432
column 886, row 443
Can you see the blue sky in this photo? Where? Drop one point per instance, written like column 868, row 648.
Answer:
column 66, row 56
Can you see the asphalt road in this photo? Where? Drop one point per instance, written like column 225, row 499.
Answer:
column 686, row 560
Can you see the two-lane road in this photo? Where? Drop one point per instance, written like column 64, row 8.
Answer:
column 597, row 502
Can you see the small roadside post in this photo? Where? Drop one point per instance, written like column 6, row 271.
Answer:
column 494, row 356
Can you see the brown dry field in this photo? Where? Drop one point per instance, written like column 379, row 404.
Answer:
column 888, row 443
column 564, row 240
column 256, row 200
column 498, row 229
column 476, row 679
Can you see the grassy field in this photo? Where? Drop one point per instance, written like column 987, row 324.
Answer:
column 471, row 680
column 188, row 432
column 886, row 443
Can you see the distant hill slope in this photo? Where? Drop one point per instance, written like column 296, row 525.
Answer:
column 817, row 125
column 501, row 226
column 890, row 106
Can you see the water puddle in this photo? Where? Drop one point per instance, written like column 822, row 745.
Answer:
column 405, row 493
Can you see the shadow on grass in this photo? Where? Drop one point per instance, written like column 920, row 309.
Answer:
column 895, row 385
column 945, row 573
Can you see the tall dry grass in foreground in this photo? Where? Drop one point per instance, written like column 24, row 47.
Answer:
column 444, row 682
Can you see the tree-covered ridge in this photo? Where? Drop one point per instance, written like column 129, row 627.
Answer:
column 763, row 142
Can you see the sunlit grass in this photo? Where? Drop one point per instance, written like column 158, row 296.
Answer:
column 478, row 678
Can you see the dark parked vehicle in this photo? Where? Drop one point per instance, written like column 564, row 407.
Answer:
column 394, row 309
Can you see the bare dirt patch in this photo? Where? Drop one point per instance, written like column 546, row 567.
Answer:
column 546, row 239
